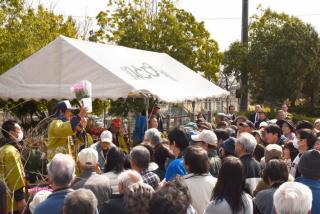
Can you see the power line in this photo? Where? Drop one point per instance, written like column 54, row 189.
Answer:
column 239, row 18
column 201, row 19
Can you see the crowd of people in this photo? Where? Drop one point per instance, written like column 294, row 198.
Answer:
column 236, row 165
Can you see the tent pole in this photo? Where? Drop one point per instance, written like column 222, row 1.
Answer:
column 104, row 114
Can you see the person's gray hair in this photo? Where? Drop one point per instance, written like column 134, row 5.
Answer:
column 81, row 201
column 248, row 141
column 129, row 177
column 292, row 197
column 61, row 169
column 140, row 156
column 153, row 135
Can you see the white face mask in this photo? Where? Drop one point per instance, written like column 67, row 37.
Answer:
column 295, row 143
column 20, row 136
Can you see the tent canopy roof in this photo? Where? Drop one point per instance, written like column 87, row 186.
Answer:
column 114, row 72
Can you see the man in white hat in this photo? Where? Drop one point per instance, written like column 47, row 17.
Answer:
column 102, row 147
column 207, row 139
column 62, row 128
column 89, row 178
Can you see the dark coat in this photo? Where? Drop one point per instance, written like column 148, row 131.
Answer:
column 114, row 205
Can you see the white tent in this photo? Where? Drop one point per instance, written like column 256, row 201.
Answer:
column 114, row 71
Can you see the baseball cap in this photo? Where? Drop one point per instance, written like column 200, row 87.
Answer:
column 88, row 157
column 191, row 125
column 207, row 136
column 64, row 105
column 106, row 136
column 116, row 122
column 247, row 123
column 229, row 145
column 263, row 124
column 273, row 151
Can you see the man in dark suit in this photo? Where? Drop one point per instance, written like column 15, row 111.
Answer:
column 255, row 116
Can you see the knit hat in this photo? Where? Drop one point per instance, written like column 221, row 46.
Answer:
column 309, row 164
column 228, row 145
column 88, row 157
column 273, row 151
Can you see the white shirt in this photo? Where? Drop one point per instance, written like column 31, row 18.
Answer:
column 200, row 187
column 113, row 177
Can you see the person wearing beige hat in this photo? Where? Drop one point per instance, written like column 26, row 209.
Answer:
column 207, row 139
column 89, row 178
column 102, row 147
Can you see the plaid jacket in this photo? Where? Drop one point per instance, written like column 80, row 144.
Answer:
column 150, row 178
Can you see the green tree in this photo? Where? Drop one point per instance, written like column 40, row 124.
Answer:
column 235, row 61
column 282, row 52
column 24, row 31
column 158, row 27
column 311, row 87
column 162, row 28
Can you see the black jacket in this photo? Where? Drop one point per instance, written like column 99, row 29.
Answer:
column 114, row 205
column 252, row 167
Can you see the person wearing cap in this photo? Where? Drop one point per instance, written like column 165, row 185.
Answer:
column 246, row 126
column 62, row 128
column 309, row 166
column 288, row 131
column 118, row 136
column 208, row 141
column 102, row 147
column 263, row 125
column 227, row 148
column 89, row 178
column 272, row 151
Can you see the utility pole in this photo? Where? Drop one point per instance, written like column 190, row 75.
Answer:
column 244, row 40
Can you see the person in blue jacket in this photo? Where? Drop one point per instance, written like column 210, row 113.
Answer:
column 178, row 143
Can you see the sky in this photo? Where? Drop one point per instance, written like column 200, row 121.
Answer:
column 222, row 18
